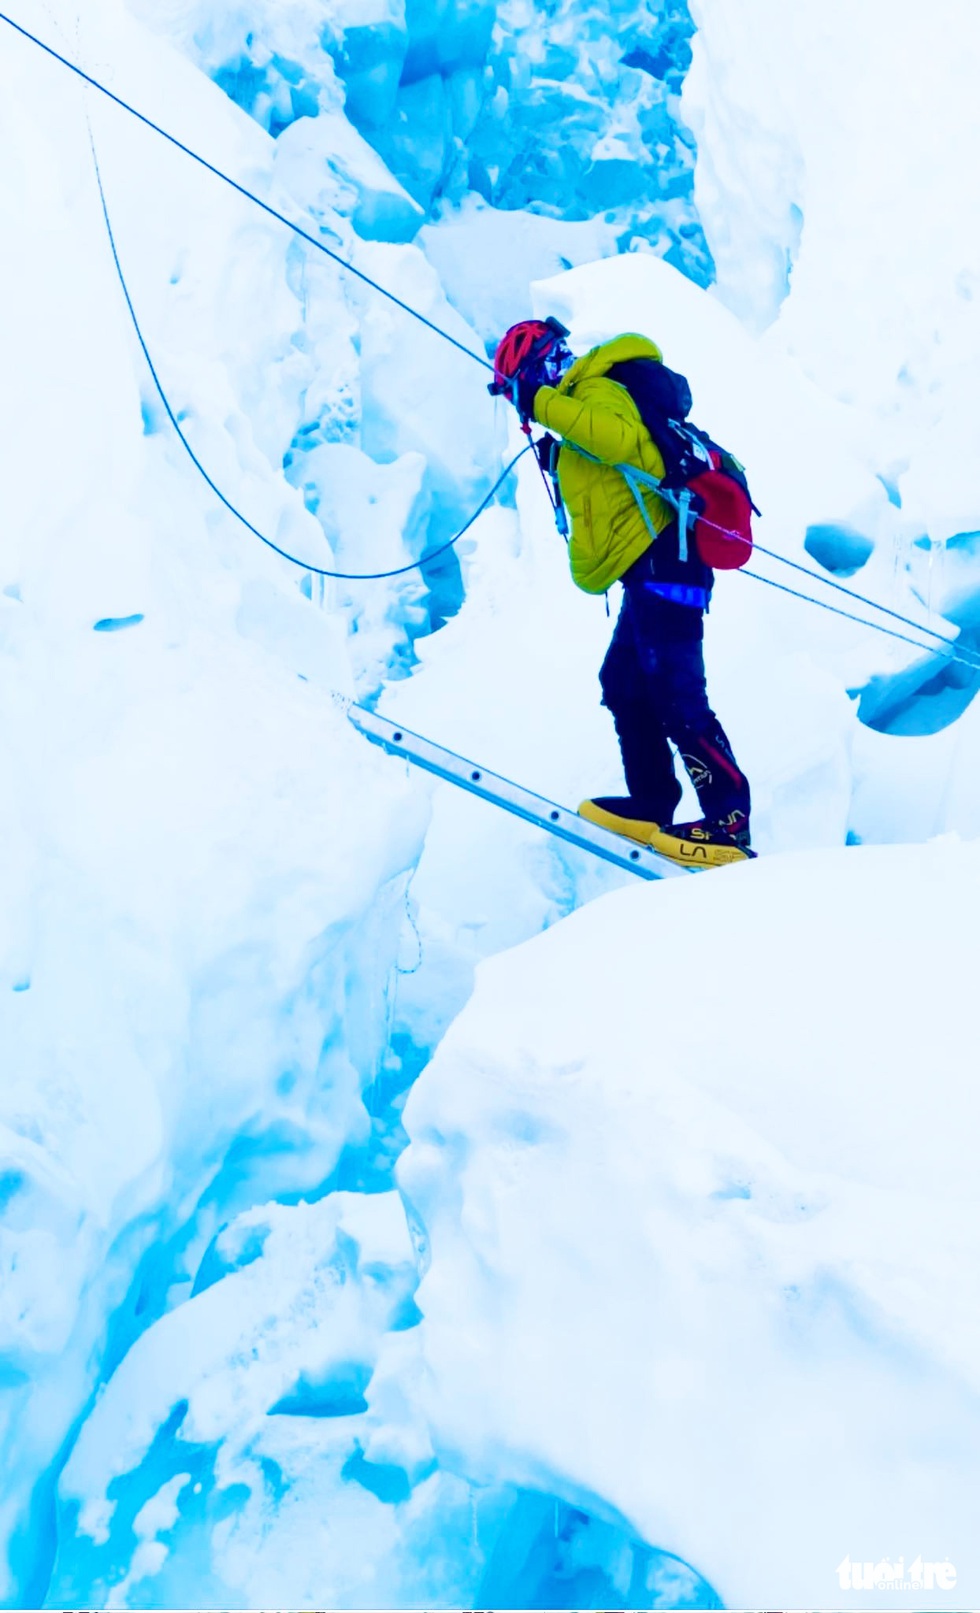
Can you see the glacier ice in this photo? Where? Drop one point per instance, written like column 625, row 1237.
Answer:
column 253, row 1440
column 572, row 112
column 788, row 122
column 839, row 549
column 336, row 171
column 236, row 1334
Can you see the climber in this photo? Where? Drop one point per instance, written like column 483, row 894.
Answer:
column 652, row 678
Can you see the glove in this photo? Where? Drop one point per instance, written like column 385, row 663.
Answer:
column 528, row 383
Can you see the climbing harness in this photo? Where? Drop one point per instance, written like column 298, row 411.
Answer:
column 679, row 593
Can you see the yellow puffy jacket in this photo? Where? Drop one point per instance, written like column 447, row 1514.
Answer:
column 590, row 411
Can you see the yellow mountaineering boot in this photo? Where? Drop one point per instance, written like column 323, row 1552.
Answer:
column 621, row 814
column 704, row 844
column 692, row 845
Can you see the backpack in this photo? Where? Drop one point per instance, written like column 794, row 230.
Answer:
column 720, row 502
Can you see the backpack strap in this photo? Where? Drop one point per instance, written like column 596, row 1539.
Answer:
column 683, row 518
column 634, row 477
column 637, row 479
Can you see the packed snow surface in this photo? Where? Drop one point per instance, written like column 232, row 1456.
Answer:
column 638, row 1273
column 708, row 1150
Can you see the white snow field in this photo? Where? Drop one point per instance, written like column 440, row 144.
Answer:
column 397, row 1207
column 698, row 1171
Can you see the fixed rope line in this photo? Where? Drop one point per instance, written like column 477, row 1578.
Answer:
column 862, row 599
column 437, row 330
column 633, row 475
column 242, row 190
column 378, row 576
column 951, row 653
column 878, row 627
column 305, row 565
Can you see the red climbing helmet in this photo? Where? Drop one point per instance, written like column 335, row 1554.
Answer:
column 532, row 341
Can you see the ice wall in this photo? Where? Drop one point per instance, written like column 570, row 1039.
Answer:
column 206, row 876
column 832, row 144
column 571, row 112
column 819, row 110
column 203, row 867
column 815, row 110
column 263, row 1443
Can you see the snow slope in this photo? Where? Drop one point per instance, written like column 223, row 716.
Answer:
column 707, row 1149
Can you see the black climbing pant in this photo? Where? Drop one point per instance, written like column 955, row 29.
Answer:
column 654, row 685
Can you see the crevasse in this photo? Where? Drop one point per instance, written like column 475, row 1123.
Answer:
column 250, row 1167
column 253, row 1348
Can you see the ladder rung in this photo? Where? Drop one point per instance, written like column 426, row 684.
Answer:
column 503, row 792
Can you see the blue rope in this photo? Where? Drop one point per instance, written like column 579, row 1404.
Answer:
column 636, row 479
column 242, row 191
column 879, row 627
column 862, row 599
column 318, row 571
column 951, row 654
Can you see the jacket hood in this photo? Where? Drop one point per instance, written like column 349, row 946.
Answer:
column 601, row 359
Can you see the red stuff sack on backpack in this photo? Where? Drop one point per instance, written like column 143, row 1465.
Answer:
column 723, row 522
column 721, row 504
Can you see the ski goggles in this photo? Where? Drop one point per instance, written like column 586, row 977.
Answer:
column 549, row 355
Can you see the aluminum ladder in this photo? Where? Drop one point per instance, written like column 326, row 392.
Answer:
column 503, row 792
